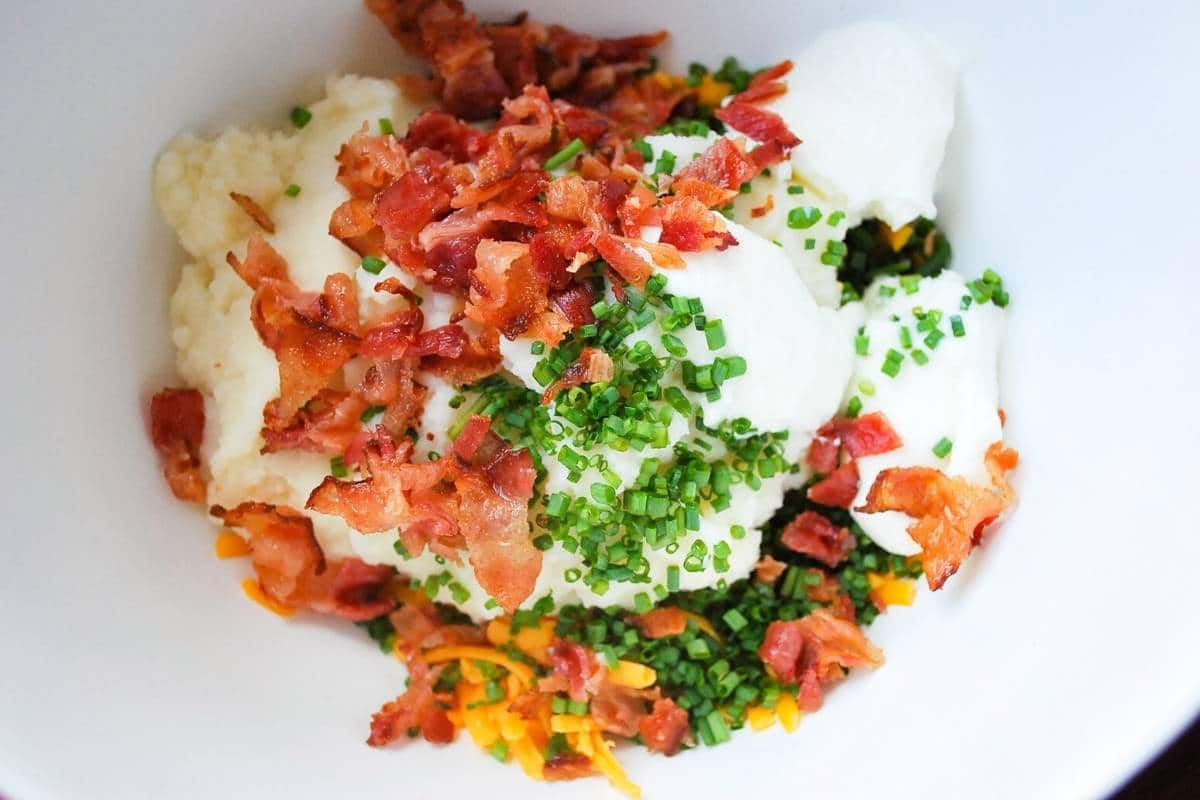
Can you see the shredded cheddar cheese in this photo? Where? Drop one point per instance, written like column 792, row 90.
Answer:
column 229, row 545
column 253, row 590
column 633, row 675
column 788, row 712
column 760, row 717
column 897, row 238
column 440, row 654
column 891, row 591
column 711, row 91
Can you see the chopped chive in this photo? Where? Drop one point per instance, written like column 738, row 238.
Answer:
column 803, row 217
column 499, row 750
column 673, row 578
column 795, row 188
column 537, row 348
column 292, row 190
column 810, row 244
column 866, row 387
column 956, row 326
column 573, row 148
column 887, row 291
column 371, row 413
column 385, row 126
column 835, row 218
column 905, row 337
column 714, row 334
column 301, row 116
column 373, row 265
column 919, row 357
column 853, row 407
column 665, row 163
column 338, row 468
column 935, row 336
column 862, row 344
column 943, row 447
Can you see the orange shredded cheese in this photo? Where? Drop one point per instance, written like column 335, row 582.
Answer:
column 711, row 92
column 632, row 675
column 532, row 641
column 760, row 717
column 440, row 654
column 897, row 238
column 888, row 590
column 254, row 591
column 229, row 545
column 788, row 712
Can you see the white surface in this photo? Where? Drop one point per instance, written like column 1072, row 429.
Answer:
column 955, row 395
column 1059, row 659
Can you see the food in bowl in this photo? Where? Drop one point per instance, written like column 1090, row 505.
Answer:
column 614, row 402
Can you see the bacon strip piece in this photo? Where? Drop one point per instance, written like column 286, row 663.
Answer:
column 418, row 707
column 950, row 513
column 665, row 727
column 661, row 622
column 575, row 671
column 593, row 366
column 814, row 651
column 757, row 123
column 813, row 535
column 177, row 430
column 838, row 488
column 374, row 504
column 326, row 424
column 868, row 435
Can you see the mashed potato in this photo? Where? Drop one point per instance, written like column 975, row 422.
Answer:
column 218, row 351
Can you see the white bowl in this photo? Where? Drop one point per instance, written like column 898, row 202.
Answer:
column 1054, row 665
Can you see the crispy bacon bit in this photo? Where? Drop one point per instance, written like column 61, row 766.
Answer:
column 479, row 358
column 419, row 627
column 575, row 303
column 506, row 291
column 326, row 424
column 814, row 651
column 253, row 210
column 377, row 503
column 757, row 123
column 950, row 513
column 723, row 165
column 838, row 488
column 624, row 259
column 419, row 707
column 690, row 226
column 292, row 570
column 496, row 529
column 766, row 208
column 445, row 133
column 262, row 263
column 593, row 366
column 620, row 709
column 574, row 666
column 405, row 207
column 663, row 729
column 177, row 430
column 813, row 535
column 393, row 337
column 661, row 622
column 827, row 590
column 477, row 500
column 769, row 569
column 353, row 225
column 765, row 85
column 366, row 163
column 479, row 65
column 868, row 435
column 309, row 350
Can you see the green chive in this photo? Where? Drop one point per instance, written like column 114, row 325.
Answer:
column 673, row 578
column 373, row 265
column 385, row 126
column 337, row 467
column 835, row 218
column 371, row 413
column 795, row 188
column 292, row 190
column 573, row 148
column 854, row 406
column 943, row 447
column 301, row 116
column 537, row 348
column 919, row 357
column 956, row 326
column 714, row 334
column 499, row 750
column 803, row 217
